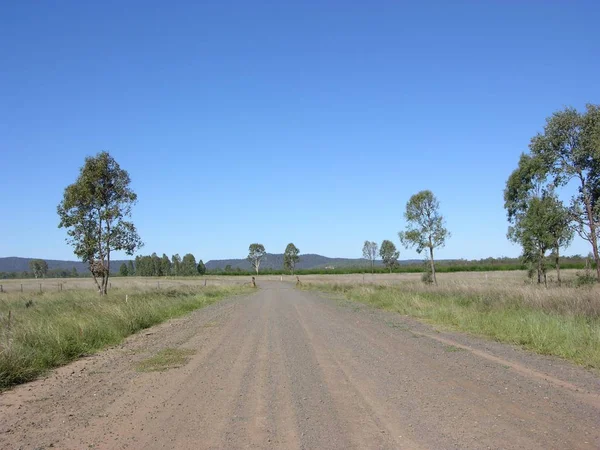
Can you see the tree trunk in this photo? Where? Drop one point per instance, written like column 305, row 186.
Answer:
column 557, row 266
column 539, row 268
column 95, row 278
column 432, row 265
column 592, row 226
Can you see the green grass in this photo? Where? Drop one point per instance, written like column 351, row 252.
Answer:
column 59, row 327
column 561, row 322
column 166, row 359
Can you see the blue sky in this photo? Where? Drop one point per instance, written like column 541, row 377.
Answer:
column 275, row 122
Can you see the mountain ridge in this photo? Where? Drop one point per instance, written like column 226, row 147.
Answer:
column 271, row 261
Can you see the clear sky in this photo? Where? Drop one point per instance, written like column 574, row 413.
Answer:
column 310, row 122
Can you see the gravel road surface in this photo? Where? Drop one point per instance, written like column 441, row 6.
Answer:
column 290, row 369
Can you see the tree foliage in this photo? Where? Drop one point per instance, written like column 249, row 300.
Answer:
column 94, row 210
column 176, row 264
column 568, row 151
column 123, row 270
column 188, row 265
column 389, row 255
column 291, row 257
column 256, row 253
column 38, row 267
column 201, row 268
column 370, row 252
column 425, row 227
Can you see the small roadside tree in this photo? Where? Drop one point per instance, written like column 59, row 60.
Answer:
column 201, row 268
column 94, row 210
column 389, row 255
column 291, row 257
column 256, row 253
column 370, row 253
column 425, row 226
column 123, row 271
column 38, row 267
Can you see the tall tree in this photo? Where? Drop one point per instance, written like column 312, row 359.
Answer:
column 425, row 227
column 188, row 265
column 389, row 255
column 130, row 268
column 256, row 253
column 569, row 150
column 156, row 265
column 38, row 267
column 201, row 267
column 165, row 265
column 123, row 271
column 94, row 210
column 291, row 257
column 176, row 264
column 370, row 253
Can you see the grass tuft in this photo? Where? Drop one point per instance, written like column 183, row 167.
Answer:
column 169, row 358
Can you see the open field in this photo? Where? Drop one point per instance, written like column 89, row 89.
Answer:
column 514, row 278
column 284, row 368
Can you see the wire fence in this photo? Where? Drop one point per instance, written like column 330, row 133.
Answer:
column 68, row 284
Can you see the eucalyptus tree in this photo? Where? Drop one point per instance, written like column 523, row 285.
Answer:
column 94, row 210
column 370, row 253
column 389, row 255
column 256, row 253
column 201, row 268
column 538, row 220
column 188, row 265
column 425, row 228
column 38, row 267
column 569, row 153
column 291, row 257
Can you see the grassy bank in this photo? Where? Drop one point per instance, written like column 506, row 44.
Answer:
column 45, row 330
column 563, row 322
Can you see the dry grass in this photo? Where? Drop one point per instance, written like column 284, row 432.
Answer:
column 561, row 321
column 39, row 331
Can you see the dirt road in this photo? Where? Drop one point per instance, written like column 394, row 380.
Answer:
column 284, row 368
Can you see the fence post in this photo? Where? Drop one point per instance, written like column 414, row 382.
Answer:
column 21, row 287
column 158, row 284
column 40, row 287
column 1, row 288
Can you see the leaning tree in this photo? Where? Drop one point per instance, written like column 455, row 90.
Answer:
column 94, row 210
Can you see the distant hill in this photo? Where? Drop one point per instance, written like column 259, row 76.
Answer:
column 272, row 261
column 16, row 264
column 307, row 261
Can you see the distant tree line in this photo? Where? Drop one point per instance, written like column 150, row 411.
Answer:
column 157, row 266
